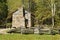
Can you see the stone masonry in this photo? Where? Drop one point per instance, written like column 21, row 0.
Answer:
column 18, row 19
column 21, row 18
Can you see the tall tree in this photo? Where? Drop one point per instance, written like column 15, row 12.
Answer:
column 3, row 11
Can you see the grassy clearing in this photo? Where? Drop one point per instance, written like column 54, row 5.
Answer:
column 29, row 37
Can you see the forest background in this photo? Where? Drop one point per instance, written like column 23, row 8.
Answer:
column 41, row 9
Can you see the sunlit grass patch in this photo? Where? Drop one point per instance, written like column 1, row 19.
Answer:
column 29, row 37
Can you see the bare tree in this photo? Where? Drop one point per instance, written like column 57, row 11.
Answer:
column 53, row 8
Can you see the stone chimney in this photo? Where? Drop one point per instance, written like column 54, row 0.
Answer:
column 18, row 19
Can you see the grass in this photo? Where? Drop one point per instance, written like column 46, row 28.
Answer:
column 29, row 37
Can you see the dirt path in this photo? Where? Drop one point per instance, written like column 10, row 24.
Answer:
column 4, row 31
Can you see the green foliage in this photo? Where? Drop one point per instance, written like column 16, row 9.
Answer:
column 13, row 5
column 40, row 8
column 3, row 11
column 43, row 11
